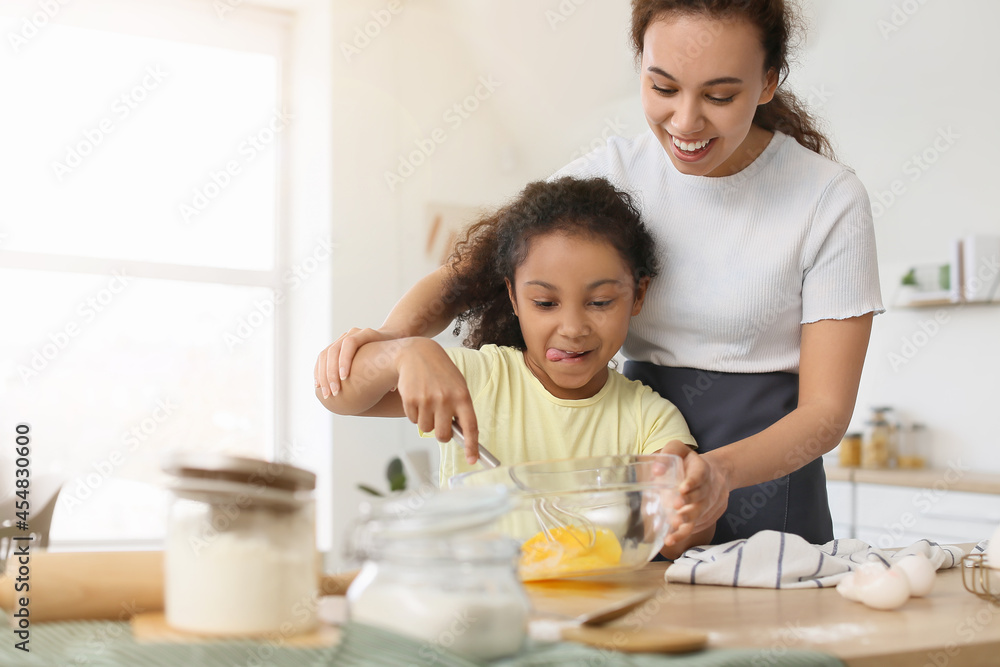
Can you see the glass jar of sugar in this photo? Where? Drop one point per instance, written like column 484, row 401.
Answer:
column 240, row 556
column 433, row 570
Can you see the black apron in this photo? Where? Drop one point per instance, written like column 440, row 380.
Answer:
column 721, row 408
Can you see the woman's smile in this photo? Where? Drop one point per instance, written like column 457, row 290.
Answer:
column 691, row 150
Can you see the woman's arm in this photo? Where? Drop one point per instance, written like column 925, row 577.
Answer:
column 425, row 310
column 832, row 355
column 409, row 377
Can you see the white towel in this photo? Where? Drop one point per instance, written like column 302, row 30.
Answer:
column 978, row 549
column 772, row 559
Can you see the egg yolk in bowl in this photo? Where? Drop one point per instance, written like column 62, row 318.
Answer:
column 568, row 550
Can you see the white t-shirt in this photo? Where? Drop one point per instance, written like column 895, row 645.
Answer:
column 745, row 259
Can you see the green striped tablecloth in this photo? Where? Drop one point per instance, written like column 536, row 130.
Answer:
column 110, row 644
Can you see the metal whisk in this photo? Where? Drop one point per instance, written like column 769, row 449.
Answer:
column 547, row 511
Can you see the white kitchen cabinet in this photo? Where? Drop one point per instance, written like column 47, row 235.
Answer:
column 891, row 514
column 841, row 507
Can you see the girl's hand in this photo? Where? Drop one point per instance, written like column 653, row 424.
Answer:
column 334, row 363
column 434, row 392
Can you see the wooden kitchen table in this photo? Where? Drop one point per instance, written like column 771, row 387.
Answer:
column 949, row 627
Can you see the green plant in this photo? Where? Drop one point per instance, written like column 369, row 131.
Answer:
column 395, row 473
column 910, row 278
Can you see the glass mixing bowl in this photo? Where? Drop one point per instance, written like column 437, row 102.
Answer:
column 586, row 516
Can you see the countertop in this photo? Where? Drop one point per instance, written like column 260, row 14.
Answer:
column 956, row 478
column 949, row 627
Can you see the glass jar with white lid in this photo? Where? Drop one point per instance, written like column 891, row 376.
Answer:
column 434, row 570
column 240, row 556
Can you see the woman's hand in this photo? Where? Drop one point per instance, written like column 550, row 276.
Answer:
column 702, row 496
column 334, row 363
column 704, row 491
column 434, row 392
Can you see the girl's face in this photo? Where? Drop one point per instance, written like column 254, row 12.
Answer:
column 574, row 296
column 701, row 81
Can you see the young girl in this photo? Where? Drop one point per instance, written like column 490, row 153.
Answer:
column 759, row 325
column 549, row 284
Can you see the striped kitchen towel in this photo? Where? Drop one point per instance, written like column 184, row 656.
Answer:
column 772, row 559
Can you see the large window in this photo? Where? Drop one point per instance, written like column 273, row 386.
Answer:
column 141, row 239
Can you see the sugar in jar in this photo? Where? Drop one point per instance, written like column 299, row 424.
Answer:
column 240, row 556
column 434, row 571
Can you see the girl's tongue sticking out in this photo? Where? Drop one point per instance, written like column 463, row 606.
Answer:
column 552, row 354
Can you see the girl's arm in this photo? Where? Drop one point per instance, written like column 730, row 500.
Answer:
column 425, row 310
column 408, row 377
column 832, row 355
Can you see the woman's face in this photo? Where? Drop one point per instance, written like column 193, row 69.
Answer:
column 702, row 79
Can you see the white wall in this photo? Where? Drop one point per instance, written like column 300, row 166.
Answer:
column 550, row 97
column 891, row 77
column 562, row 83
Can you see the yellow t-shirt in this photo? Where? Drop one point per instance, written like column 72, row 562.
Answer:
column 519, row 420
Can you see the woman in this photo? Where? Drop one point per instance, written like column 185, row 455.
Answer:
column 758, row 326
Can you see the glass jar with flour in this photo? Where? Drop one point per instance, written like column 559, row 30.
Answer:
column 434, row 570
column 240, row 557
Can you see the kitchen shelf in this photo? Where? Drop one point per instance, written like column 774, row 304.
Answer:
column 937, row 303
column 923, row 478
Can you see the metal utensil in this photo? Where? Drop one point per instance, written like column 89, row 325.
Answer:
column 485, row 456
column 549, row 514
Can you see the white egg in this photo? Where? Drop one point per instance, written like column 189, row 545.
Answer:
column 920, row 573
column 851, row 585
column 890, row 590
column 866, row 573
column 847, row 588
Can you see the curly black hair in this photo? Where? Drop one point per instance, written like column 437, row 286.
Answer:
column 495, row 246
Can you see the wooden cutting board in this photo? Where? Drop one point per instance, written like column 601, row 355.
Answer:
column 152, row 628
